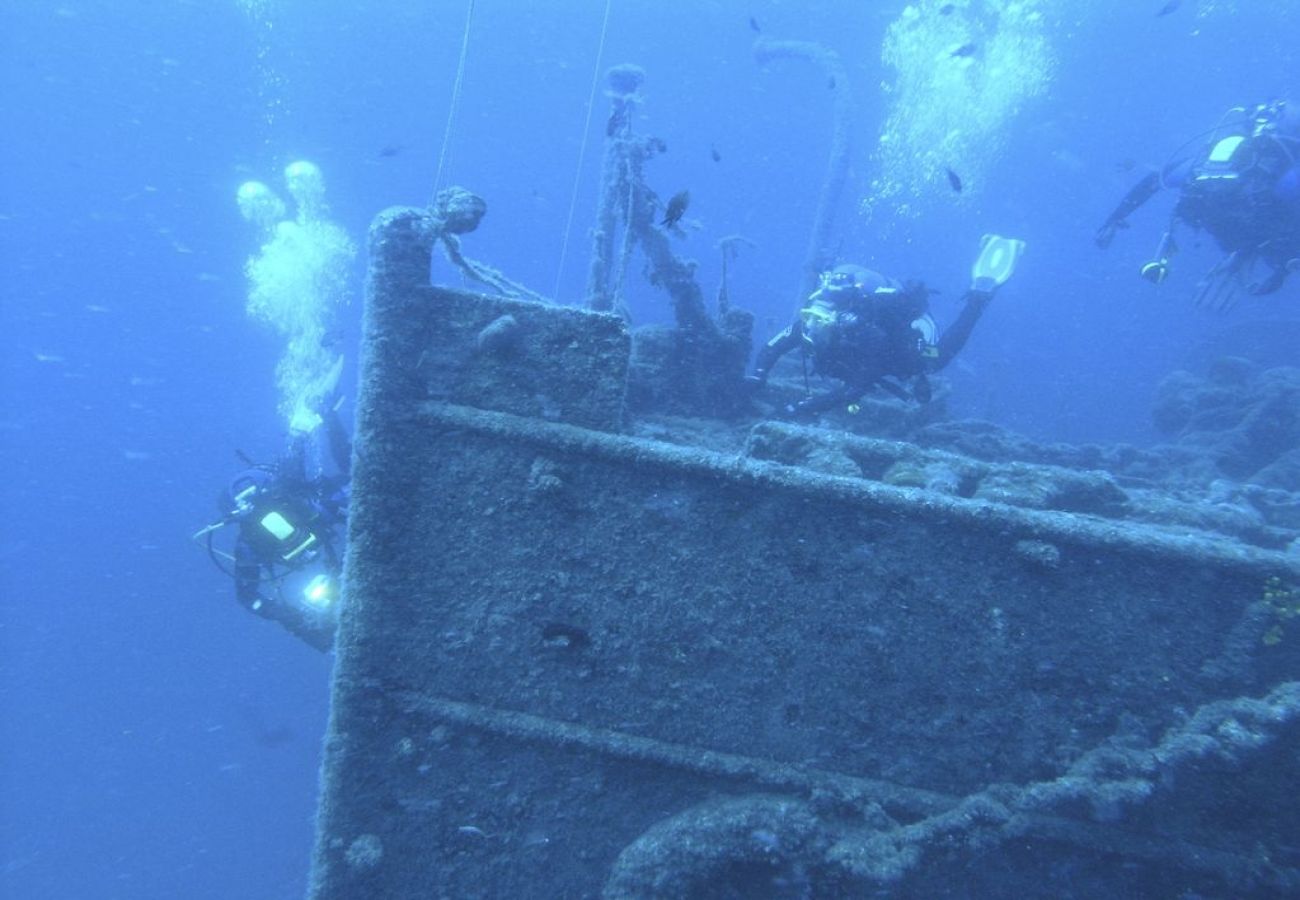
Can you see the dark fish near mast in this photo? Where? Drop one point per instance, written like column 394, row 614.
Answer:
column 676, row 209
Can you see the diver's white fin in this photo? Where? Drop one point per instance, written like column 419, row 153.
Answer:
column 330, row 383
column 996, row 262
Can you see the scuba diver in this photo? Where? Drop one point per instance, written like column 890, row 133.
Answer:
column 868, row 330
column 1242, row 187
column 288, row 517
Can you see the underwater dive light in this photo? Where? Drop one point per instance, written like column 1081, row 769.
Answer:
column 319, row 591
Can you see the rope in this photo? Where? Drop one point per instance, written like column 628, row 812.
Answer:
column 455, row 100
column 582, row 152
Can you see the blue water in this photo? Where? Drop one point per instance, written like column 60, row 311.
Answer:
column 156, row 741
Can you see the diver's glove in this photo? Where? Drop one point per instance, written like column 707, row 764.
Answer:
column 1139, row 194
column 1106, row 233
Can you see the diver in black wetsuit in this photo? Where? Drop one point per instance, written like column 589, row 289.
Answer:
column 289, row 522
column 868, row 330
column 1242, row 187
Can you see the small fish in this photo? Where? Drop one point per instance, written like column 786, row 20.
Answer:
column 713, row 152
column 947, row 8
column 954, row 180
column 963, row 51
column 676, row 209
column 830, row 82
column 753, row 25
column 1171, row 6
column 390, row 150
